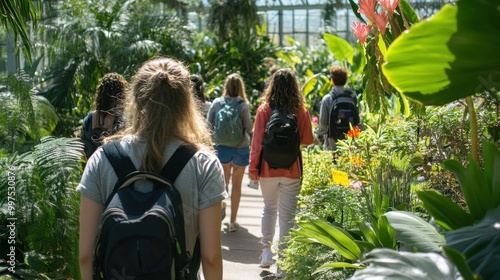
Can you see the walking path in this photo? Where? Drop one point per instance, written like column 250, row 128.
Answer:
column 241, row 249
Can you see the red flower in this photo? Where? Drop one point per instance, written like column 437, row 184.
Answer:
column 354, row 132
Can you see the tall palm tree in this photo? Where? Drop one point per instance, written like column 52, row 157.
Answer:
column 15, row 14
column 227, row 17
column 92, row 37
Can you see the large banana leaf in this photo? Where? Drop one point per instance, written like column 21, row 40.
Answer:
column 451, row 56
column 340, row 48
column 480, row 244
column 390, row 264
column 415, row 231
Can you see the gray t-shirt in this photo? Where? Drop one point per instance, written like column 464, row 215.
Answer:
column 200, row 183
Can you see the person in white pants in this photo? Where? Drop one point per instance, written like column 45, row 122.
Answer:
column 280, row 186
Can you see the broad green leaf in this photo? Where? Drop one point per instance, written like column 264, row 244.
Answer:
column 480, row 244
column 438, row 60
column 385, row 233
column 330, row 236
column 365, row 246
column 408, row 12
column 290, row 40
column 415, row 231
column 390, row 264
column 446, row 213
column 359, row 59
column 473, row 184
column 336, row 265
column 369, row 234
column 309, row 85
column 340, row 48
column 459, row 261
column 381, row 44
column 491, row 163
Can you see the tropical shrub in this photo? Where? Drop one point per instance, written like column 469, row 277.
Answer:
column 42, row 182
column 244, row 53
column 470, row 237
column 83, row 40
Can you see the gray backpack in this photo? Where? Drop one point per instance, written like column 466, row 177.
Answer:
column 228, row 127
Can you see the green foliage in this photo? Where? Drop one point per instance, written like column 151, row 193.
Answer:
column 337, row 204
column 320, row 200
column 440, row 52
column 26, row 117
column 317, row 169
column 16, row 15
column 226, row 18
column 243, row 53
column 390, row 264
column 481, row 189
column 411, row 229
column 87, row 39
column 480, row 244
column 45, row 204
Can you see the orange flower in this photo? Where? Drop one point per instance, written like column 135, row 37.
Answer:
column 358, row 161
column 354, row 132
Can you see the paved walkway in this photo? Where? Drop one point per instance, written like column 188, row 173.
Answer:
column 241, row 249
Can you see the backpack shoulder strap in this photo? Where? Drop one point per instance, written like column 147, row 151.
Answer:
column 118, row 158
column 177, row 162
column 121, row 163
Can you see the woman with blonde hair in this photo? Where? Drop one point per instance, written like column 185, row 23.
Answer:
column 280, row 186
column 234, row 156
column 161, row 115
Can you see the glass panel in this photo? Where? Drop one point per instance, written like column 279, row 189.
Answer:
column 300, row 21
column 287, row 21
column 315, row 20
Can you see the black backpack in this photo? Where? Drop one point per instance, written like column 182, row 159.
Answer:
column 281, row 144
column 92, row 136
column 343, row 113
column 141, row 235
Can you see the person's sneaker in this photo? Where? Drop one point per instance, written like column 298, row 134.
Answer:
column 266, row 258
column 234, row 226
column 280, row 273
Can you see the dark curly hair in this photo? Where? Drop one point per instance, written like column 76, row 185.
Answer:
column 338, row 75
column 110, row 94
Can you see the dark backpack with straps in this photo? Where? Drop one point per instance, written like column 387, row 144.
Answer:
column 343, row 113
column 92, row 135
column 281, row 144
column 141, row 234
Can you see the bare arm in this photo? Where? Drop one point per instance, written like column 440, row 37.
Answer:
column 210, row 241
column 90, row 213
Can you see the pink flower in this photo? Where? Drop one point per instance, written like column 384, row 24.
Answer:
column 381, row 20
column 315, row 120
column 389, row 5
column 367, row 8
column 361, row 30
column 357, row 185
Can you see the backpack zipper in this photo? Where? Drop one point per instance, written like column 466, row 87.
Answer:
column 165, row 216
